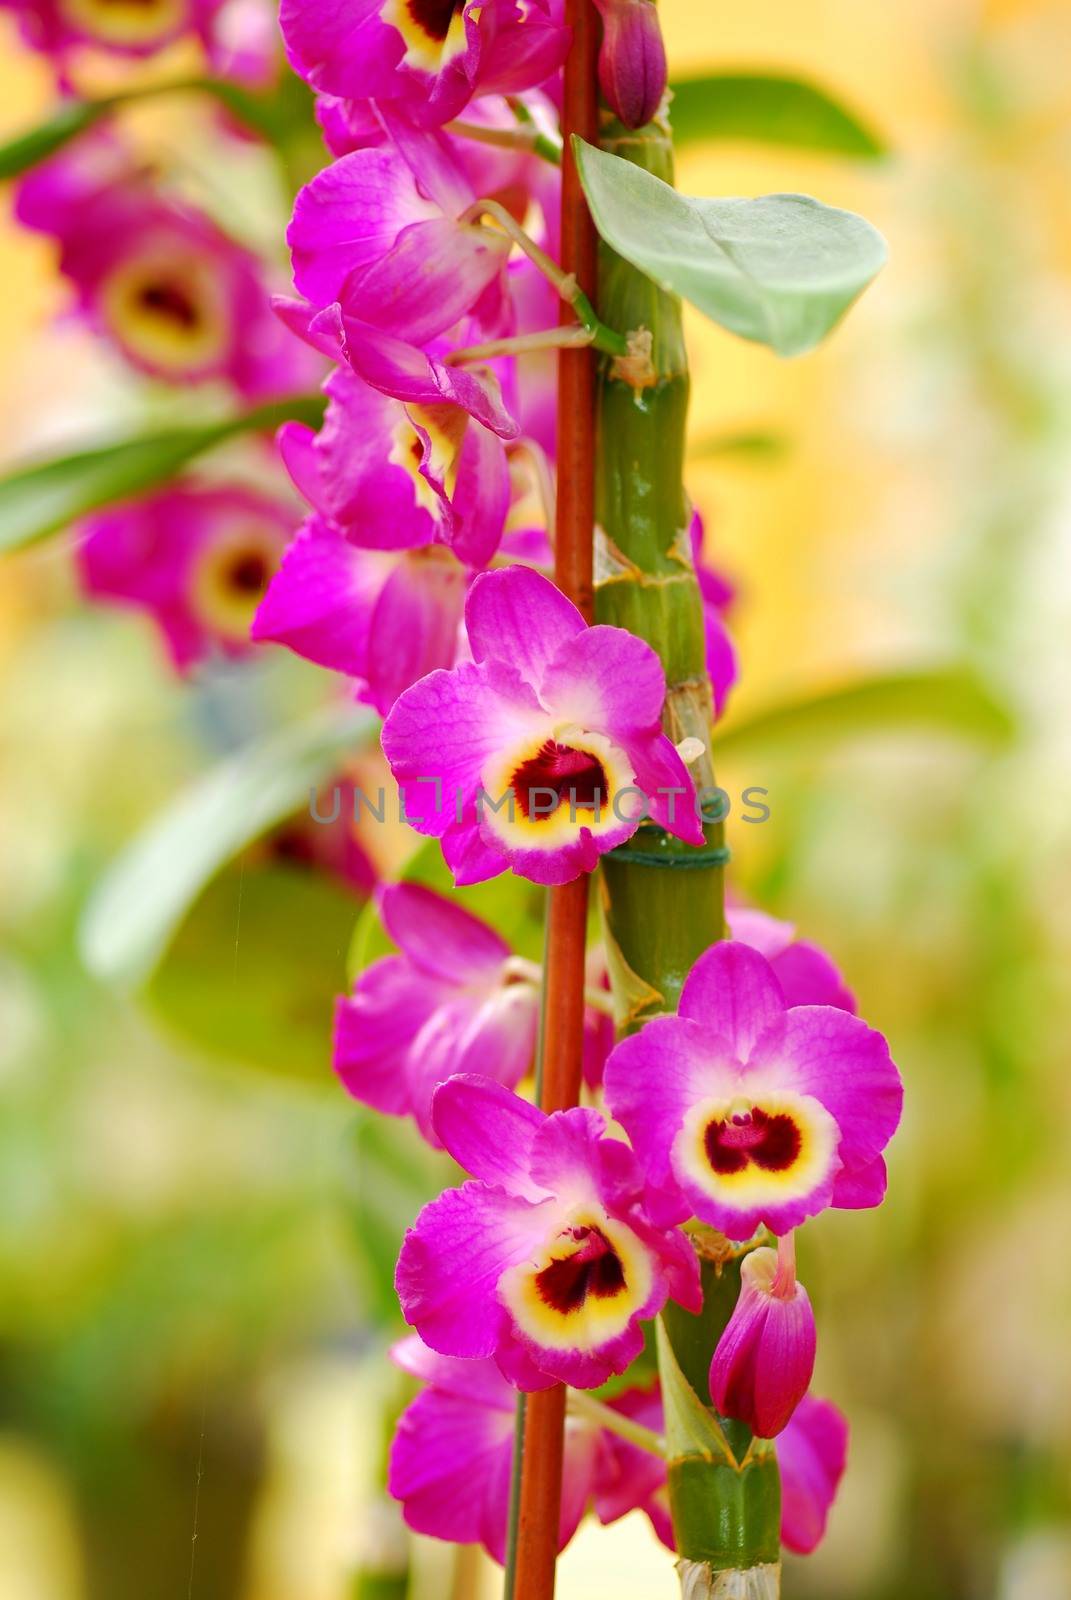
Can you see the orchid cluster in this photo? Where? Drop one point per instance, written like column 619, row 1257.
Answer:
column 524, row 738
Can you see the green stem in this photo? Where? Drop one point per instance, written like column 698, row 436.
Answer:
column 585, row 1405
column 663, row 901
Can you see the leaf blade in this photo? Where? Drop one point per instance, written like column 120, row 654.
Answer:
column 951, row 699
column 27, row 149
column 780, row 270
column 141, row 900
column 769, row 108
column 47, row 496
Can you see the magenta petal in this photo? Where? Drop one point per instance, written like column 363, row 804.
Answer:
column 375, row 1028
column 452, row 1260
column 433, row 275
column 481, row 497
column 439, row 936
column 349, row 218
column 652, row 1079
column 578, row 1476
column 811, row 1454
column 477, row 1381
column 441, row 732
column 732, row 992
column 437, row 1054
column 608, row 679
column 844, row 1064
column 430, row 159
column 401, row 370
column 446, row 1466
column 413, row 628
column 860, row 1188
column 490, row 1132
column 319, row 602
column 768, row 935
column 520, row 617
column 564, row 1153
column 342, row 46
column 469, row 857
column 809, row 978
column 668, row 786
column 502, row 1035
column 627, row 1477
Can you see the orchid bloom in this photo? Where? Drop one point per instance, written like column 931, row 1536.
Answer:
column 807, row 975
column 179, row 299
column 451, row 1001
column 384, row 618
column 544, row 751
column 410, row 452
column 197, row 559
column 427, row 57
column 451, row 1455
column 759, row 1112
column 383, row 232
column 131, row 27
column 548, row 1261
column 764, row 1359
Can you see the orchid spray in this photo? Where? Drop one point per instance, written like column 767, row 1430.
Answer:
column 499, row 557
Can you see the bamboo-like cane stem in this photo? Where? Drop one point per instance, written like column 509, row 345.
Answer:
column 661, row 900
column 563, row 996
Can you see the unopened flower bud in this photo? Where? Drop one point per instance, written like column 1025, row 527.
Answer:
column 764, row 1360
column 632, row 60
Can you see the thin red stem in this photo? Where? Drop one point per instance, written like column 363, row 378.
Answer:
column 541, row 1480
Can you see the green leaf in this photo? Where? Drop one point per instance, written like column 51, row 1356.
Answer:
column 691, row 1428
column 44, row 498
column 137, row 906
column 18, row 155
column 768, row 108
column 252, row 972
column 949, row 700
column 758, row 445
column 780, row 270
column 282, row 117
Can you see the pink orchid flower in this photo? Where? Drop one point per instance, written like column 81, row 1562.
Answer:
column 549, row 1261
column 59, row 27
column 197, row 559
column 452, row 1001
column 807, row 975
column 546, row 749
column 158, row 279
column 759, row 1112
column 384, row 618
column 452, row 1451
column 451, row 1455
column 428, row 57
column 811, row 1455
column 381, row 233
column 410, row 452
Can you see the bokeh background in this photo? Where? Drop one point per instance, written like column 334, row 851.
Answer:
column 192, row 1292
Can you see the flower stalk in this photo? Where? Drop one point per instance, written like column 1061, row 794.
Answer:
column 567, row 906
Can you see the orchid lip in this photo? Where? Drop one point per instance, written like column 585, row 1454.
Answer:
column 584, row 1286
column 575, row 776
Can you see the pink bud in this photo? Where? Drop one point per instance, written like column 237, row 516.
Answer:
column 765, row 1357
column 632, row 60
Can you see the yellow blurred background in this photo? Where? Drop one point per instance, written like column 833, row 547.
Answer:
column 188, row 1386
